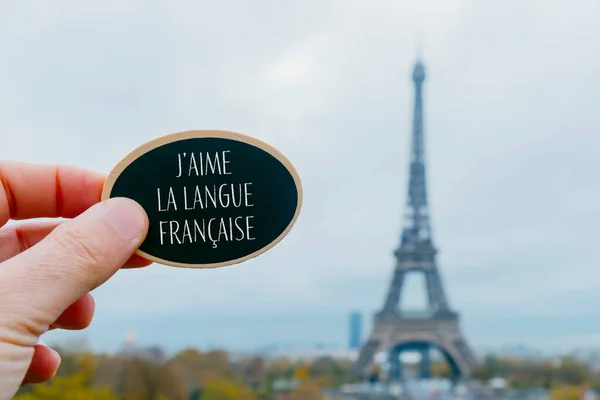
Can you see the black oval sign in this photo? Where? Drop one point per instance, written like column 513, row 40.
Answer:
column 213, row 198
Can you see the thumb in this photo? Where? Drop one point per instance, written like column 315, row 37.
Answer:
column 79, row 255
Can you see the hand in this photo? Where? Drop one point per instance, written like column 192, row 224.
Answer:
column 47, row 269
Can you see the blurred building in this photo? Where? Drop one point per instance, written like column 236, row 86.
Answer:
column 130, row 348
column 355, row 330
column 284, row 388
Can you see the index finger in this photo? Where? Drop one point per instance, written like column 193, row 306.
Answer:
column 39, row 191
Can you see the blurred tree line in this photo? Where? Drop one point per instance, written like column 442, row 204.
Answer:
column 214, row 375
column 189, row 375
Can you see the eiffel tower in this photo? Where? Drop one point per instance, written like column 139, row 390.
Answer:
column 394, row 330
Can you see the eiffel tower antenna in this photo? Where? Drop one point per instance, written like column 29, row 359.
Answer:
column 419, row 44
column 396, row 330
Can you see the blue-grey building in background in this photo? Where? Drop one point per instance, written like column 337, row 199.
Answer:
column 355, row 330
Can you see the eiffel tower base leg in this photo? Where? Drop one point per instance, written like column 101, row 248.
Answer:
column 425, row 367
column 454, row 378
column 395, row 371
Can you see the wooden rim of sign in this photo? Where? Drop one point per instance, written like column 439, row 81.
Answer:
column 193, row 134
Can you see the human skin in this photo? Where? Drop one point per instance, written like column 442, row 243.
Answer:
column 48, row 269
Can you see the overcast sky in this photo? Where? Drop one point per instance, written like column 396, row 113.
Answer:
column 512, row 134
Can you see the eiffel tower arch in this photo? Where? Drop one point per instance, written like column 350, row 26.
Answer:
column 396, row 330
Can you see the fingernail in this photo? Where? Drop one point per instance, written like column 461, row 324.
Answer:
column 125, row 216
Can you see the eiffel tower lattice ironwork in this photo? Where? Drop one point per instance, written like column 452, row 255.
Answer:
column 395, row 331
